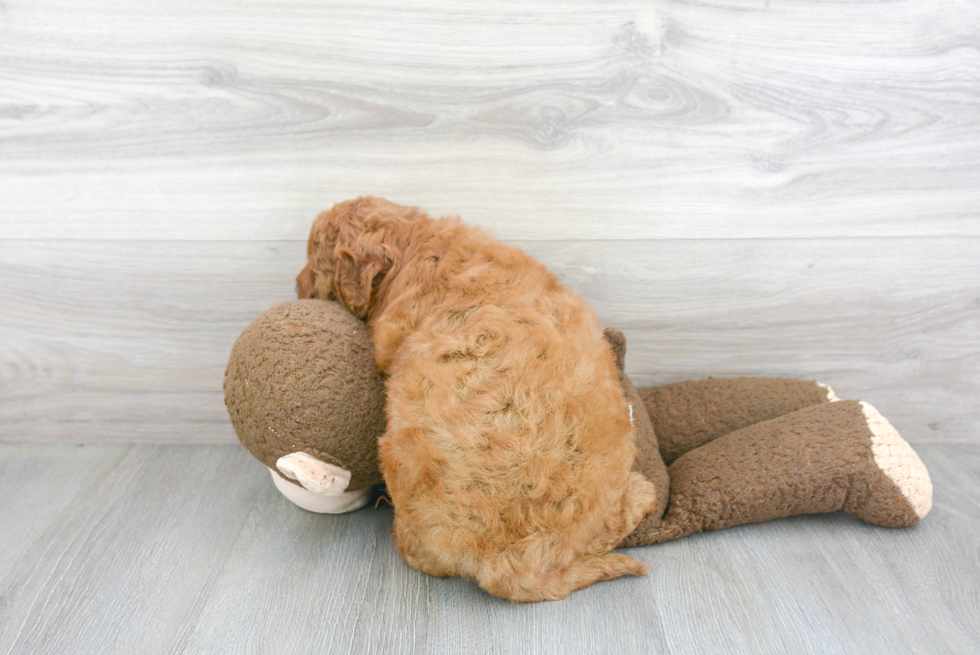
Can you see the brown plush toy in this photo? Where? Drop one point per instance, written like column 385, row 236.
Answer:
column 306, row 398
column 745, row 450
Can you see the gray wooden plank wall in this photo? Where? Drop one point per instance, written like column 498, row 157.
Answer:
column 757, row 187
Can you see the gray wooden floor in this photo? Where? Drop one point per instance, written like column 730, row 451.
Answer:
column 136, row 548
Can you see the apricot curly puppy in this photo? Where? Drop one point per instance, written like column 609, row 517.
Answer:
column 509, row 442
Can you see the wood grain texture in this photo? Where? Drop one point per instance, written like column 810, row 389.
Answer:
column 138, row 534
column 121, row 341
column 744, row 187
column 556, row 119
column 189, row 549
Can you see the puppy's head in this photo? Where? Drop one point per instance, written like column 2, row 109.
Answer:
column 352, row 246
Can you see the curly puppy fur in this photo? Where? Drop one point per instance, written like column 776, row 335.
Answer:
column 509, row 443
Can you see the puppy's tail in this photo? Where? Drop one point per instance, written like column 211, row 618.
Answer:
column 556, row 584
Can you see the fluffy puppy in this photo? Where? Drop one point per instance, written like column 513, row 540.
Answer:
column 509, row 442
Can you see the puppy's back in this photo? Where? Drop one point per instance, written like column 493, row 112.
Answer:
column 509, row 443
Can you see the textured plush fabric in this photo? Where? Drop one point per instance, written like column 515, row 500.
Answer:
column 818, row 459
column 302, row 377
column 648, row 460
column 687, row 415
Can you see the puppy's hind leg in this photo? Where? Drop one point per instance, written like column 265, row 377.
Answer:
column 415, row 553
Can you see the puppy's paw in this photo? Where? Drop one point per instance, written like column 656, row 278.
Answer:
column 640, row 499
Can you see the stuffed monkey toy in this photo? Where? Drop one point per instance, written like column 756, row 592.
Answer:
column 306, row 398
column 745, row 450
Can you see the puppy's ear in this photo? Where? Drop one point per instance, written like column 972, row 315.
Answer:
column 306, row 283
column 375, row 251
column 357, row 281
